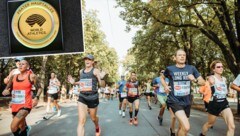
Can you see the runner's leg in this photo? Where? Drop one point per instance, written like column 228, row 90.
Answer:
column 82, row 115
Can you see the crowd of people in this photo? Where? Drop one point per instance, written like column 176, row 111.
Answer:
column 171, row 88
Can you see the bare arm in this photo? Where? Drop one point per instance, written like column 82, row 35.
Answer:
column 96, row 72
column 200, row 81
column 37, row 84
column 235, row 87
column 165, row 85
column 8, row 87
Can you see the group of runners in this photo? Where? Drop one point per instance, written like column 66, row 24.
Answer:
column 172, row 87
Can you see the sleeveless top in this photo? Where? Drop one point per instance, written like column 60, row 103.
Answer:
column 21, row 93
column 148, row 89
column 132, row 89
column 88, row 81
column 52, row 87
column 220, row 89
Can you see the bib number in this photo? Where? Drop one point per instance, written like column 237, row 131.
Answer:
column 123, row 94
column 18, row 96
column 85, row 85
column 181, row 88
column 132, row 92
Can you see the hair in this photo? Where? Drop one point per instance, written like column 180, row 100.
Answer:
column 178, row 51
column 213, row 64
column 133, row 72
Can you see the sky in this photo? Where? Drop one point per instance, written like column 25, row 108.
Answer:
column 112, row 25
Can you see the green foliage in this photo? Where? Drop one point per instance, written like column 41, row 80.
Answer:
column 201, row 28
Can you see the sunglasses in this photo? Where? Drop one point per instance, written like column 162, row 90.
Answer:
column 219, row 66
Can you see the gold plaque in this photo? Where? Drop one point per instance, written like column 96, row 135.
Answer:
column 35, row 24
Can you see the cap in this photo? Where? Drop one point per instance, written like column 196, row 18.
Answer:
column 19, row 59
column 89, row 56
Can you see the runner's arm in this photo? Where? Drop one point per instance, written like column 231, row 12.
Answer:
column 96, row 72
column 235, row 87
column 8, row 87
column 165, row 85
column 37, row 85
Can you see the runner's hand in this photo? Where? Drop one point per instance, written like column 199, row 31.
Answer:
column 35, row 102
column 167, row 89
column 6, row 92
column 70, row 79
column 191, row 77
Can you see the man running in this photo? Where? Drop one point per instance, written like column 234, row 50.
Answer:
column 161, row 95
column 53, row 90
column 88, row 96
column 133, row 98
column 180, row 77
column 22, row 102
column 121, row 85
column 148, row 93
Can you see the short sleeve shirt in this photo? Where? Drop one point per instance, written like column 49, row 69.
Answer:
column 180, row 84
column 237, row 81
column 121, row 84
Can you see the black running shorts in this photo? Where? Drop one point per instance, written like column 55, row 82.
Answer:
column 132, row 99
column 215, row 108
column 91, row 100
column 24, row 108
column 53, row 96
column 176, row 107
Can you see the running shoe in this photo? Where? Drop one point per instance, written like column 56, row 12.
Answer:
column 160, row 119
column 150, row 108
column 172, row 134
column 98, row 131
column 59, row 113
column 123, row 114
column 135, row 122
column 120, row 112
column 131, row 122
column 28, row 129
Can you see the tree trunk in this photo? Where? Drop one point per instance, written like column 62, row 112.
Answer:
column 42, row 76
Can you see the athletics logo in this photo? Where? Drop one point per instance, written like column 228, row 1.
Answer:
column 35, row 18
column 35, row 24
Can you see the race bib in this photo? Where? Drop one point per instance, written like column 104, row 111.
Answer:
column 181, row 88
column 18, row 96
column 132, row 92
column 123, row 94
column 86, row 85
column 220, row 91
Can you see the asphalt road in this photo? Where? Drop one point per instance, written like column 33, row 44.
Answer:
column 111, row 123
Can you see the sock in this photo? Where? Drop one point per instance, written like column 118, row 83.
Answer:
column 136, row 112
column 97, row 129
column 130, row 113
column 24, row 132
column 17, row 132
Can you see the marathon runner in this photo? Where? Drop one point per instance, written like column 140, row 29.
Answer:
column 218, row 103
column 161, row 95
column 53, row 90
column 121, row 85
column 22, row 101
column 133, row 98
column 88, row 96
column 180, row 77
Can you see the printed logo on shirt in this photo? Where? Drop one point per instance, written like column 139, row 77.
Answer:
column 18, row 96
column 86, row 85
